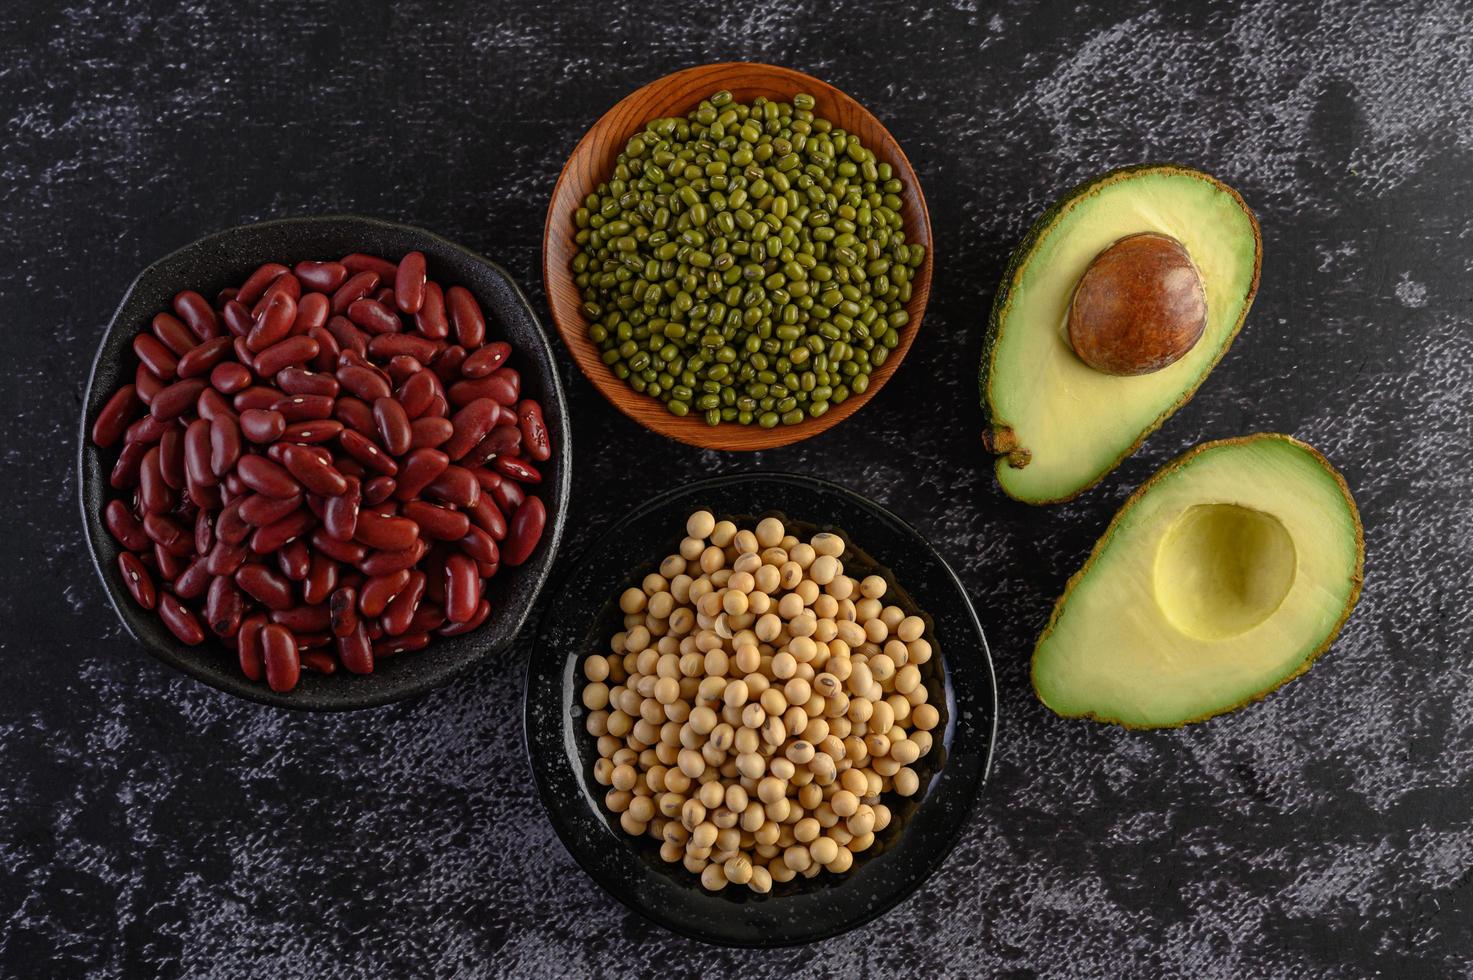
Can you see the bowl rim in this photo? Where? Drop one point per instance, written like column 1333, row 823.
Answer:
column 691, row 429
column 173, row 654
column 928, row 865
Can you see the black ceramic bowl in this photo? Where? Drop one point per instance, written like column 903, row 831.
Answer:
column 225, row 259
column 583, row 615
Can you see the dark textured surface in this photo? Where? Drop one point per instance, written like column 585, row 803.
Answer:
column 959, row 680
column 153, row 826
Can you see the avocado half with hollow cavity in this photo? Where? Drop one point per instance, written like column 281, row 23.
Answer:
column 1223, row 577
column 1057, row 424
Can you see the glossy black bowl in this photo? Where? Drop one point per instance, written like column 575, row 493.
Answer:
column 582, row 616
column 225, row 259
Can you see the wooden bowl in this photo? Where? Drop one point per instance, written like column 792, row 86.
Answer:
column 593, row 161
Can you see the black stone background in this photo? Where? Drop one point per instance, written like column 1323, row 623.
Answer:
column 150, row 826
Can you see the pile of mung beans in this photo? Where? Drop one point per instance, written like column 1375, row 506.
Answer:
column 746, row 262
column 758, row 705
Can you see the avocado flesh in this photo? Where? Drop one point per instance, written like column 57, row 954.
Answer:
column 1071, row 423
column 1220, row 579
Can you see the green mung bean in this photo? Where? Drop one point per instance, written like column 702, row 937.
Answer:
column 746, row 262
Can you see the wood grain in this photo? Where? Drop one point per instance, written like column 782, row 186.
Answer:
column 593, row 160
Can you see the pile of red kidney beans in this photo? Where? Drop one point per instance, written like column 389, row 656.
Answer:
column 323, row 467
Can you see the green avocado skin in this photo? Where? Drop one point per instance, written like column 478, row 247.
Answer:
column 1014, row 270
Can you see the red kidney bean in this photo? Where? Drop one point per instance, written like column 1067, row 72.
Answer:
column 137, row 580
column 525, row 531
column 256, row 283
column 117, row 412
column 421, row 468
column 393, row 426
column 372, row 316
column 387, row 562
column 224, row 444
column 465, row 317
column 262, row 425
column 483, row 611
column 176, row 399
column 292, row 350
column 379, row 489
column 203, row 358
column 347, row 551
column 211, row 405
column 299, row 381
column 315, row 660
column 224, row 607
column 340, row 514
column 196, row 311
column 407, row 643
column 279, row 655
column 517, row 469
column 448, row 362
column 358, row 286
column 312, row 313
column 248, row 647
column 347, row 336
column 230, row 527
column 365, row 451
column 173, row 333
column 181, row 622
column 486, row 360
column 440, row 523
column 321, row 579
column 264, row 476
column 378, row 591
column 504, row 440
column 402, row 367
column 342, row 608
column 124, row 475
column 303, row 408
column 385, row 533
column 257, row 397
column 506, row 493
column 197, row 452
column 320, row 430
column 355, row 650
column 456, row 485
column 321, row 277
column 363, row 382
column 153, row 492
column 400, row 610
column 462, row 588
column 272, row 536
column 193, row 581
column 431, row 319
column 428, row 433
column 304, row 619
column 272, row 324
column 295, row 560
column 285, row 285
column 123, row 526
column 409, row 282
column 314, row 474
column 165, row 532
column 147, row 383
column 534, row 430
column 355, row 414
column 229, row 377
column 155, row 356
column 387, row 345
column 479, row 544
column 265, row 586
column 416, row 393
column 471, row 424
column 363, row 262
column 146, row 430
column 170, row 566
column 499, row 387
column 204, row 532
column 427, row 618
column 237, row 317
column 326, row 360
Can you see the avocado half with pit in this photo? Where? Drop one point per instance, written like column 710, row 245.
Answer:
column 1219, row 580
column 1059, row 424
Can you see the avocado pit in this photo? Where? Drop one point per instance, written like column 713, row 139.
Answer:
column 1139, row 307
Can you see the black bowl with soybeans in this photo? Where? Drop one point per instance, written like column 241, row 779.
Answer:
column 324, row 460
column 768, row 718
